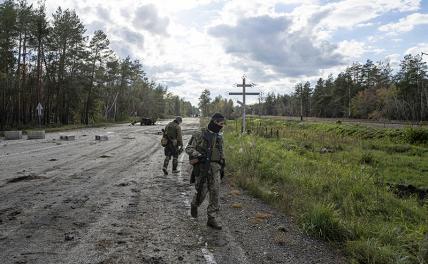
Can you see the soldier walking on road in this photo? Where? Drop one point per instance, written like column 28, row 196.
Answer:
column 205, row 150
column 174, row 145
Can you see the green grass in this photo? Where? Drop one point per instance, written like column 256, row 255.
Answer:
column 333, row 177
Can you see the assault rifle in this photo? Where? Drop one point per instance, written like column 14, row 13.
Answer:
column 211, row 138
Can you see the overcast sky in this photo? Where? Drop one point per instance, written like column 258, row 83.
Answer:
column 194, row 45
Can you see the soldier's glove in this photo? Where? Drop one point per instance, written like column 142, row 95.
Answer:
column 198, row 159
column 202, row 158
column 193, row 162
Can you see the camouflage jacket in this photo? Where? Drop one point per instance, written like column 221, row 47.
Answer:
column 173, row 132
column 198, row 146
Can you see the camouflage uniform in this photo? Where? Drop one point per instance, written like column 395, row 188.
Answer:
column 198, row 147
column 175, row 141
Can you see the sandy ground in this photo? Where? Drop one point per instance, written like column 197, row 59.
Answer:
column 87, row 201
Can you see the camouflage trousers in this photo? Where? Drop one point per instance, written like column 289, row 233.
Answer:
column 171, row 151
column 174, row 162
column 211, row 186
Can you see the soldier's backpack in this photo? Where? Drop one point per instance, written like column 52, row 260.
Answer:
column 164, row 140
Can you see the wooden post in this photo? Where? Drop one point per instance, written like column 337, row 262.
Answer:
column 244, row 95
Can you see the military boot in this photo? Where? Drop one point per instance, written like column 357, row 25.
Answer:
column 213, row 223
column 174, row 166
column 165, row 166
column 194, row 211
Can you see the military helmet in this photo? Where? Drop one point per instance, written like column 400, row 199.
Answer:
column 178, row 119
column 217, row 117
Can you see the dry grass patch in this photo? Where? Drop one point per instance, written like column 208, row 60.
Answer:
column 263, row 216
column 280, row 238
column 256, row 221
column 235, row 193
column 236, row 205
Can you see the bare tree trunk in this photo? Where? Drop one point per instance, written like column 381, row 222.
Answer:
column 18, row 82
column 90, row 90
column 48, row 107
column 24, row 79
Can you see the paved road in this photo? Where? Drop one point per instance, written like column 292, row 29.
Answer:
column 87, row 201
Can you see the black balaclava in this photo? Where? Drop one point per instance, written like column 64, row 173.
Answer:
column 178, row 120
column 213, row 126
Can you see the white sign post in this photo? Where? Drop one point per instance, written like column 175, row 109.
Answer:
column 244, row 94
column 39, row 109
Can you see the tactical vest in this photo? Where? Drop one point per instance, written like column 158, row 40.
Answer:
column 202, row 146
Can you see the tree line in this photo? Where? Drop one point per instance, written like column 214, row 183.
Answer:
column 209, row 106
column 369, row 90
column 76, row 78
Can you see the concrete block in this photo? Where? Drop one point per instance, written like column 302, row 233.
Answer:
column 67, row 137
column 12, row 135
column 36, row 134
column 101, row 137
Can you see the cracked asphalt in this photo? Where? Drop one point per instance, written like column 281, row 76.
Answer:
column 88, row 201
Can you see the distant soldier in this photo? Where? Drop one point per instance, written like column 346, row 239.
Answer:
column 205, row 150
column 174, row 145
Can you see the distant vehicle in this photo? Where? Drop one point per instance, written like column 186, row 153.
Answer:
column 145, row 121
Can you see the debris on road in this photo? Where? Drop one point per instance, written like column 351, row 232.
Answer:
column 12, row 135
column 101, row 137
column 36, row 134
column 68, row 236
column 67, row 137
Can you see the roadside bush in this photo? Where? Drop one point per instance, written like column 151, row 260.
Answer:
column 323, row 221
column 370, row 251
column 398, row 149
column 416, row 135
column 367, row 158
column 424, row 250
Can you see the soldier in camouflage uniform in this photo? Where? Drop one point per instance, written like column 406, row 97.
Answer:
column 205, row 150
column 174, row 146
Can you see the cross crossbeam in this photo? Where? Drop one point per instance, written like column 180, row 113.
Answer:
column 244, row 95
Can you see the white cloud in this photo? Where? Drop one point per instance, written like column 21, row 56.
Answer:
column 268, row 40
column 417, row 50
column 406, row 24
column 352, row 49
column 369, row 24
column 146, row 17
column 350, row 13
column 394, row 60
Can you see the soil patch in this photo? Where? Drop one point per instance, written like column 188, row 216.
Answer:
column 405, row 191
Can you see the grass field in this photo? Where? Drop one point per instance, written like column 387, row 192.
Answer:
column 335, row 179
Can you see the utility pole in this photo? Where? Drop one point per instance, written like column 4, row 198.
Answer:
column 244, row 95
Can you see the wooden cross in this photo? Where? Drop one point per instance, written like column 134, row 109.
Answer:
column 244, row 94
